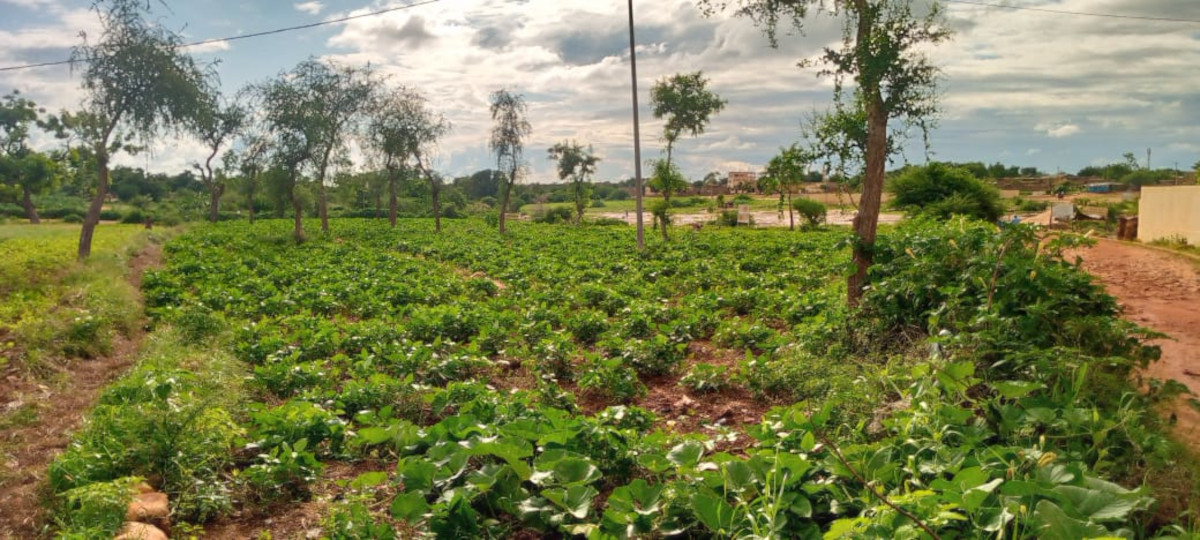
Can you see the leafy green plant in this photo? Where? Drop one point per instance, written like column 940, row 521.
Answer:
column 611, row 378
column 704, row 377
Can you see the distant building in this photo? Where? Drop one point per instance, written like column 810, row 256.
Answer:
column 743, row 181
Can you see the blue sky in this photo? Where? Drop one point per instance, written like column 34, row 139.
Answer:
column 1031, row 88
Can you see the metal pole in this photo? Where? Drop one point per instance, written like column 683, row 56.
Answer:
column 637, row 134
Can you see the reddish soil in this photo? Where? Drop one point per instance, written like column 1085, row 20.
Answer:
column 51, row 411
column 298, row 519
column 1159, row 290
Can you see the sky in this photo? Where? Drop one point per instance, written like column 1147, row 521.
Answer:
column 1025, row 87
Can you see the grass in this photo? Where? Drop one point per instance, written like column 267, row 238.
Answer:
column 55, row 307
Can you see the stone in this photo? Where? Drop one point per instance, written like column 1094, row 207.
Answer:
column 149, row 507
column 134, row 530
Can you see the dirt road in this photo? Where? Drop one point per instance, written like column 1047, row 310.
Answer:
column 1161, row 291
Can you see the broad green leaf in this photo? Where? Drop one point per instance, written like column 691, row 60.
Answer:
column 1096, row 505
column 369, row 479
column 572, row 471
column 714, row 512
column 686, row 454
column 1016, row 389
column 416, row 474
column 409, row 506
column 1054, row 524
column 575, row 500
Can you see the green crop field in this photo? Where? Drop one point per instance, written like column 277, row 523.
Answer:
column 555, row 381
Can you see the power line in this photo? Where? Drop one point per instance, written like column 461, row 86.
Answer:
column 256, row 34
column 1080, row 13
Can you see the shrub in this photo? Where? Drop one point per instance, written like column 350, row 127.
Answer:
column 598, row 203
column 812, row 211
column 941, row 191
column 619, row 195
column 134, row 216
column 559, row 214
column 72, row 218
column 110, row 215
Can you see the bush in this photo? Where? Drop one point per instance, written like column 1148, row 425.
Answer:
column 560, row 214
column 598, row 204
column 942, row 191
column 812, row 211
column 110, row 215
column 134, row 216
column 1024, row 205
column 72, row 218
column 618, row 195
column 728, row 218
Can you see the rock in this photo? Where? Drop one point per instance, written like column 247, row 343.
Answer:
column 149, row 507
column 134, row 530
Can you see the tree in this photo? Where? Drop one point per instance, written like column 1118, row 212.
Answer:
column 882, row 55
column 216, row 124
column 342, row 94
column 137, row 83
column 941, row 191
column 665, row 179
column 508, row 136
column 577, row 164
column 26, row 170
column 250, row 161
column 294, row 128
column 788, row 169
column 686, row 104
column 403, row 131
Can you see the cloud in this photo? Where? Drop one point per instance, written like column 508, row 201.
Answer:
column 210, row 47
column 1064, row 130
column 311, row 8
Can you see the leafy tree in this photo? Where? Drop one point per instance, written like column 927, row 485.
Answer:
column 789, row 169
column 882, row 55
column 403, row 131
column 942, row 191
column 31, row 173
column 666, row 179
column 342, row 94
column 577, row 164
column 508, row 136
column 685, row 104
column 137, row 82
column 216, row 124
column 27, row 171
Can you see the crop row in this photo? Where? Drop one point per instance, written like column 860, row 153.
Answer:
column 461, row 360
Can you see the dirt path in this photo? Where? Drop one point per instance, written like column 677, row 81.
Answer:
column 49, row 412
column 1159, row 290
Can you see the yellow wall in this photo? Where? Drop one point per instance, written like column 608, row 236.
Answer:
column 1169, row 211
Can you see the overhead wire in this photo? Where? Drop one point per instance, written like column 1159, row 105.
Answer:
column 1079, row 13
column 256, row 34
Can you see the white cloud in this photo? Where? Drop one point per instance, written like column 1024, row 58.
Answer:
column 311, row 8
column 1065, row 130
column 214, row 46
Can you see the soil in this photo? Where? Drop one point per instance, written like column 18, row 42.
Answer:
column 1159, row 290
column 50, row 410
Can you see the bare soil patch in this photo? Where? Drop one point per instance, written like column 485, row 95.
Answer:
column 41, row 415
column 1161, row 291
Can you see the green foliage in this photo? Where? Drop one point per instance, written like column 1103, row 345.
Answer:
column 686, row 104
column 386, row 344
column 941, row 191
column 95, row 510
column 813, row 212
column 704, row 377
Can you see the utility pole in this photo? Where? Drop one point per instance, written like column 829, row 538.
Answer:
column 1147, row 159
column 637, row 134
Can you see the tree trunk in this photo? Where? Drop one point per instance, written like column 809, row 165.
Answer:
column 664, row 230
column 791, row 212
column 30, row 209
column 504, row 204
column 297, row 212
column 93, row 215
column 392, row 198
column 866, row 222
column 215, row 191
column 322, row 209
